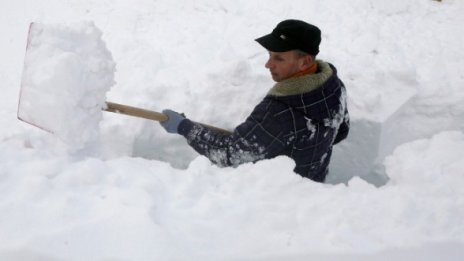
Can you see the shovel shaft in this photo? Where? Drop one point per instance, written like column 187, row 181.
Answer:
column 150, row 115
column 134, row 111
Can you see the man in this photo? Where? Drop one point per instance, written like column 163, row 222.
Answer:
column 303, row 115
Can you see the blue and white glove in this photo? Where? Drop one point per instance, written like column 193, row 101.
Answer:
column 172, row 123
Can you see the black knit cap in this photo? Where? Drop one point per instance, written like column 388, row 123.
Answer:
column 291, row 35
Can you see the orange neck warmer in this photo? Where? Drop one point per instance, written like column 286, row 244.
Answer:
column 312, row 69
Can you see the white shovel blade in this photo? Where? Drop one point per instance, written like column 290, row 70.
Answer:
column 67, row 72
column 31, row 103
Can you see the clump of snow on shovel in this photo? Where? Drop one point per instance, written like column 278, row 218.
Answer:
column 67, row 72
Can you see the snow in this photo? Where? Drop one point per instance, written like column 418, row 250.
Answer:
column 395, row 187
column 67, row 72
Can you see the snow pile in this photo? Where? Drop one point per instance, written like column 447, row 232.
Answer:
column 444, row 154
column 67, row 72
column 395, row 189
column 131, row 208
column 402, row 69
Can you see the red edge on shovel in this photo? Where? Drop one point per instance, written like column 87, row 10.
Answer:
column 21, row 87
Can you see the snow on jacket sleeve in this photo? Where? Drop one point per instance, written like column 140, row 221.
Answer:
column 343, row 129
column 255, row 139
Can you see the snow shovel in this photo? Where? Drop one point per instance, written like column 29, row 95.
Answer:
column 110, row 107
column 56, row 98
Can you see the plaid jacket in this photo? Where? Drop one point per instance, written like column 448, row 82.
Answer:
column 301, row 118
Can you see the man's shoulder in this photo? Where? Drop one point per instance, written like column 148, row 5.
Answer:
column 268, row 105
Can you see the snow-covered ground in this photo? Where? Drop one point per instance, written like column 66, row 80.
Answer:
column 396, row 187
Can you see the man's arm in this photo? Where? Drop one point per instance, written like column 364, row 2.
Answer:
column 223, row 149
column 257, row 138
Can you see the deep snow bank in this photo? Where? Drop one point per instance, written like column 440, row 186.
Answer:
column 445, row 154
column 133, row 208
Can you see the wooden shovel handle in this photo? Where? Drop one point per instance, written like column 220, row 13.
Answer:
column 134, row 111
column 150, row 115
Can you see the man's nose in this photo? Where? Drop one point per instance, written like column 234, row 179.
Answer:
column 268, row 64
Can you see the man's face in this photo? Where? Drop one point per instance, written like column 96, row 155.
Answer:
column 284, row 65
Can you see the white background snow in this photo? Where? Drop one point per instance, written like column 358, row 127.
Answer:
column 396, row 187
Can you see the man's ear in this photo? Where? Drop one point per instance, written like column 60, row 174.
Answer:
column 305, row 62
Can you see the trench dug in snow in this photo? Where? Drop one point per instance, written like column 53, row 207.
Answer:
column 68, row 71
column 360, row 155
column 372, row 139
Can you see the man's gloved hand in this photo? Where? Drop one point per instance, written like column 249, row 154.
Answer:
column 172, row 123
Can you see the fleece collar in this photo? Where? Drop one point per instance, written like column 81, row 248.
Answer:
column 303, row 84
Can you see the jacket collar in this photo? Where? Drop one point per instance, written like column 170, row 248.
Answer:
column 303, row 84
